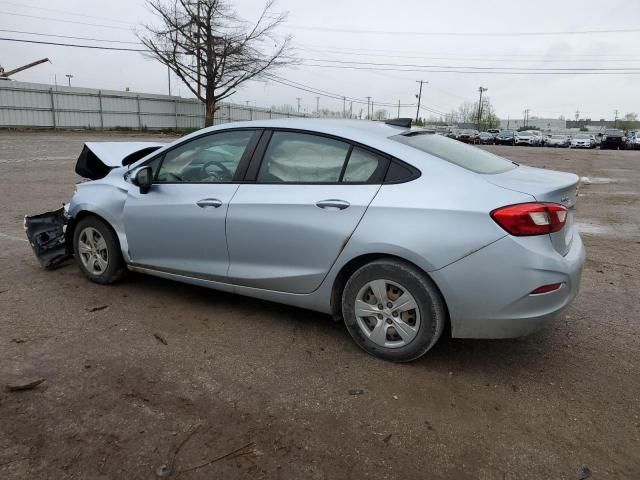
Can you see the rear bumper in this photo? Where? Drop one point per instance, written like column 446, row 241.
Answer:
column 488, row 292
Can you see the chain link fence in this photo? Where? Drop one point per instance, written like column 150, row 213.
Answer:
column 33, row 105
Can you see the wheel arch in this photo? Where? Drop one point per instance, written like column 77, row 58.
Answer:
column 354, row 264
column 77, row 218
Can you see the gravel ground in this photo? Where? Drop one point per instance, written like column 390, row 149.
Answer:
column 149, row 372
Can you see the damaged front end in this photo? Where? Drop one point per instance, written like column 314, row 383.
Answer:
column 47, row 234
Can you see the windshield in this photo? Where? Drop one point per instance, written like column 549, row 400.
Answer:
column 506, row 132
column 469, row 132
column 582, row 135
column 465, row 156
column 558, row 137
column 613, row 132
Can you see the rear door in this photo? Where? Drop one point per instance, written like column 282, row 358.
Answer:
column 305, row 196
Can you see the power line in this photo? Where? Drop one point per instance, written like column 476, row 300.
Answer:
column 324, row 93
column 470, row 67
column 480, row 58
column 341, row 62
column 70, row 37
column 66, row 12
column 96, row 47
column 63, row 21
column 572, row 55
column 394, row 67
column 374, row 68
column 463, row 34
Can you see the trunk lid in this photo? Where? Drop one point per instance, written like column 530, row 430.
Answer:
column 98, row 158
column 544, row 186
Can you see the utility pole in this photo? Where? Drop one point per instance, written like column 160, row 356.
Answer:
column 298, row 99
column 318, row 106
column 368, row 100
column 398, row 108
column 169, row 78
column 419, row 98
column 69, row 76
column 351, row 109
column 577, row 115
column 615, row 118
column 198, row 48
column 344, row 107
column 526, row 116
column 481, row 90
column 371, row 117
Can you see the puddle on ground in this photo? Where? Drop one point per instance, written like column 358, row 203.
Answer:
column 586, row 194
column 594, row 229
column 597, row 180
column 624, row 230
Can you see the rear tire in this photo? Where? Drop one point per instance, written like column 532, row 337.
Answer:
column 97, row 251
column 413, row 313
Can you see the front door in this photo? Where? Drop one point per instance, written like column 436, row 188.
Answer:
column 179, row 225
column 286, row 230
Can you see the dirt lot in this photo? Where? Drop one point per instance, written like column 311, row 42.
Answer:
column 235, row 372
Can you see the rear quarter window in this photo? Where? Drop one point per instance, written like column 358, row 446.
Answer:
column 458, row 153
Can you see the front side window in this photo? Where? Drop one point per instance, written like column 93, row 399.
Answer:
column 293, row 157
column 210, row 159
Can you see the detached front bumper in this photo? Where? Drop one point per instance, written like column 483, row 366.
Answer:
column 488, row 293
column 47, row 234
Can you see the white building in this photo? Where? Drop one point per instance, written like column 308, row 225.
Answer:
column 544, row 124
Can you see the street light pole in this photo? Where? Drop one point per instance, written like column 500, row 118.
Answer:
column 69, row 77
column 419, row 98
column 481, row 90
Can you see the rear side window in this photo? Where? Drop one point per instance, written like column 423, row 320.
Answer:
column 293, row 157
column 466, row 156
column 363, row 166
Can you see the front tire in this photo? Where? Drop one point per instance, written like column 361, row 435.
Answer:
column 97, row 251
column 393, row 310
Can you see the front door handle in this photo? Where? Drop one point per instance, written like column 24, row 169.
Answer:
column 209, row 202
column 333, row 203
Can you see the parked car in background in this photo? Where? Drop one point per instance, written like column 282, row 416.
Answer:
column 505, row 137
column 453, row 133
column 486, row 138
column 469, row 136
column 633, row 140
column 528, row 137
column 493, row 131
column 360, row 220
column 583, row 140
column 613, row 139
column 558, row 141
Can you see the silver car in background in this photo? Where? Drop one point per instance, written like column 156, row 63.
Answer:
column 558, row 141
column 583, row 140
column 398, row 232
column 528, row 137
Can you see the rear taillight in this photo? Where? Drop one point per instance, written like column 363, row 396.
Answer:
column 535, row 218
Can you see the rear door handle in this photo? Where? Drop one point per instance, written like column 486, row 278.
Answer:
column 209, row 202
column 333, row 203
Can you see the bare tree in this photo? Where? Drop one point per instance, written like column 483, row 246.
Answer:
column 211, row 49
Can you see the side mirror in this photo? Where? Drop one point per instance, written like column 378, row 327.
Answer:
column 143, row 179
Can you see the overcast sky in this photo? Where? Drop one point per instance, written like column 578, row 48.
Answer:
column 371, row 31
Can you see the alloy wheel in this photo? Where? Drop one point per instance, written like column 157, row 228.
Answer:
column 93, row 251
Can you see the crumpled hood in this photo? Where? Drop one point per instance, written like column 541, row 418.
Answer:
column 98, row 158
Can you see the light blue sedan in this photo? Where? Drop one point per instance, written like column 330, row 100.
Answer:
column 397, row 231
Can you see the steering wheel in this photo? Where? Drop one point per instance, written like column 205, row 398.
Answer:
column 223, row 172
